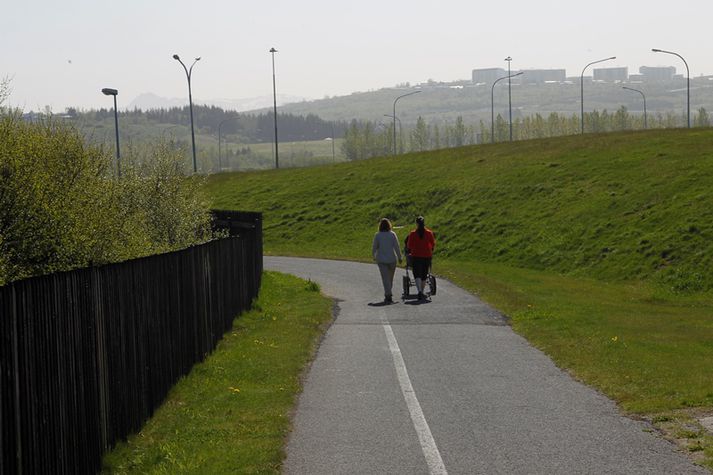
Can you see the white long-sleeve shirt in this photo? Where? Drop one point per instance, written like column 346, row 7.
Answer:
column 385, row 247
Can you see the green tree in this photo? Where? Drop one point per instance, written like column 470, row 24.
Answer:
column 51, row 198
column 169, row 208
column 459, row 133
column 366, row 140
column 502, row 129
column 60, row 208
column 539, row 128
column 420, row 136
column 484, row 132
column 351, row 146
column 621, row 119
column 702, row 119
column 4, row 90
column 436, row 141
column 554, row 125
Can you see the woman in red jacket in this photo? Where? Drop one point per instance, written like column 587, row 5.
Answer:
column 419, row 245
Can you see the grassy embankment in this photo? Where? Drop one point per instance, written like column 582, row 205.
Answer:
column 597, row 247
column 231, row 413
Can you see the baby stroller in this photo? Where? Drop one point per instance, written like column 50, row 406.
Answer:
column 408, row 281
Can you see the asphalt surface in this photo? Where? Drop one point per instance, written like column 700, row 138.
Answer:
column 447, row 387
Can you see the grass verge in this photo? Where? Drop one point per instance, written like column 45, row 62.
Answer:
column 648, row 349
column 232, row 412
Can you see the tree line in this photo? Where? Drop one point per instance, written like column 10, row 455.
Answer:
column 553, row 125
column 366, row 139
column 248, row 128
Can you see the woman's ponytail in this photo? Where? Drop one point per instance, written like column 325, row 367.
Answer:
column 420, row 226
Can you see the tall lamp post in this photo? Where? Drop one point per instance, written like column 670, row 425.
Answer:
column 274, row 103
column 492, row 106
column 509, row 60
column 396, row 100
column 190, row 105
column 107, row 91
column 220, row 125
column 397, row 120
column 642, row 95
column 581, row 83
column 334, row 157
column 688, row 82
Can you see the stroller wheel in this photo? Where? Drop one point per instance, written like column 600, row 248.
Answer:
column 432, row 284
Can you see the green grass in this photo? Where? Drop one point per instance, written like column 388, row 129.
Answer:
column 597, row 247
column 649, row 351
column 296, row 150
column 640, row 344
column 232, row 412
column 614, row 207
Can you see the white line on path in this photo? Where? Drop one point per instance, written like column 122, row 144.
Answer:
column 428, row 444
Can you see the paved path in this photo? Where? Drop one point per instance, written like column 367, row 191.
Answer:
column 448, row 387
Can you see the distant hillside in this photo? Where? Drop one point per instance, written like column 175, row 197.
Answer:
column 445, row 102
column 150, row 100
column 614, row 206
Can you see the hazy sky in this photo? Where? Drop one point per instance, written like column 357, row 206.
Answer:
column 61, row 53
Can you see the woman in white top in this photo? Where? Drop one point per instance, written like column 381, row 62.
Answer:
column 386, row 252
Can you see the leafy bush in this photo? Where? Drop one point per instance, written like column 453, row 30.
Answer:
column 159, row 203
column 4, row 91
column 61, row 208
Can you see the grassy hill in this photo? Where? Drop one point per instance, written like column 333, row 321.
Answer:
column 597, row 247
column 614, row 207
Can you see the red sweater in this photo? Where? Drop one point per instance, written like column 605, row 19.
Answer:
column 421, row 247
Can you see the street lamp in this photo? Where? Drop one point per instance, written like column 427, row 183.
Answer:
column 334, row 158
column 581, row 82
column 394, row 116
column 107, row 91
column 190, row 105
column 397, row 120
column 688, row 82
column 642, row 95
column 220, row 125
column 492, row 106
column 509, row 60
column 274, row 102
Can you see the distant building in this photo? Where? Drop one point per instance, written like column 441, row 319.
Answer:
column 611, row 74
column 488, row 75
column 539, row 76
column 636, row 78
column 657, row 73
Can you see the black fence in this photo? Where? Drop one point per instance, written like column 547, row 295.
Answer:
column 87, row 356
